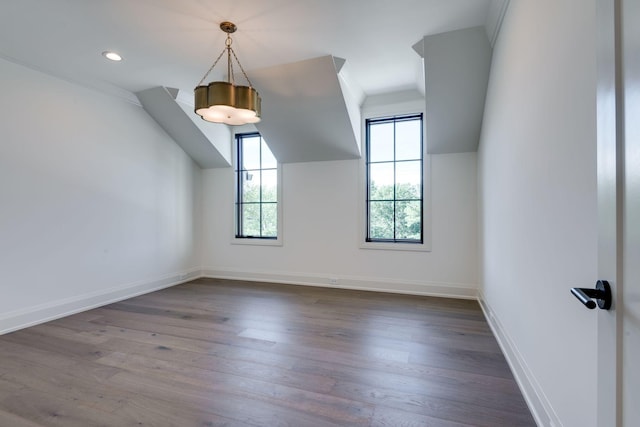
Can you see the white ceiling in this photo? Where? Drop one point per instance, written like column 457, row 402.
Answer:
column 172, row 43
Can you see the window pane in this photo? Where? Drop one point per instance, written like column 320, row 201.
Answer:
column 408, row 140
column 408, row 220
column 381, row 181
column 251, row 219
column 257, row 188
column 381, row 220
column 408, row 180
column 395, row 178
column 269, row 220
column 250, row 186
column 381, row 142
column 270, row 185
column 268, row 160
column 251, row 152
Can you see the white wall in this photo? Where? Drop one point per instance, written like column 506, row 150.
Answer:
column 96, row 201
column 321, row 239
column 538, row 219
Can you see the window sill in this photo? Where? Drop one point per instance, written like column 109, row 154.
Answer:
column 256, row 242
column 387, row 246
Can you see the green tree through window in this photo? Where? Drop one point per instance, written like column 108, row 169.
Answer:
column 256, row 188
column 394, row 179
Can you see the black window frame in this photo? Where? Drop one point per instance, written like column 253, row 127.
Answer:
column 239, row 180
column 394, row 119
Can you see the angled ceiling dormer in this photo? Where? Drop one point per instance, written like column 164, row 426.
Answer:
column 208, row 145
column 456, row 71
column 310, row 110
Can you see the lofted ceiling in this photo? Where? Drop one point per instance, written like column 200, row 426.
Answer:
column 171, row 43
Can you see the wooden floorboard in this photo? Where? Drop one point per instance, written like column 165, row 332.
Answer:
column 231, row 353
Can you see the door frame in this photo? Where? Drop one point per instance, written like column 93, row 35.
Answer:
column 610, row 166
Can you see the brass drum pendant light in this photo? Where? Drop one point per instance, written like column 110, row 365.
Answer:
column 224, row 102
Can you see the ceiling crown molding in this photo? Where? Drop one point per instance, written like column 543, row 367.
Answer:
column 495, row 15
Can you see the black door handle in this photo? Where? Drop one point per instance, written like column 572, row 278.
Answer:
column 601, row 294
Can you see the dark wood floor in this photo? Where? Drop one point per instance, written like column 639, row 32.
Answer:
column 225, row 353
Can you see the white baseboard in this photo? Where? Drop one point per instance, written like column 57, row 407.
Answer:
column 448, row 290
column 535, row 397
column 42, row 313
column 30, row 316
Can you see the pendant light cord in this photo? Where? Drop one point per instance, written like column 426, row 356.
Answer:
column 241, row 69
column 211, row 68
column 229, row 51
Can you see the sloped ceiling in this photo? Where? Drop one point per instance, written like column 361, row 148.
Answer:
column 170, row 44
column 456, row 66
column 209, row 146
column 305, row 115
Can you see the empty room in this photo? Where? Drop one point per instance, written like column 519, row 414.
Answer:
column 319, row 213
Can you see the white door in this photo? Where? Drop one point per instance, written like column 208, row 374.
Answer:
column 619, row 211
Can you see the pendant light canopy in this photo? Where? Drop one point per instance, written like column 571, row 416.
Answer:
column 225, row 102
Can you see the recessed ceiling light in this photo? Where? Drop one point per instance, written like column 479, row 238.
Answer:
column 111, row 55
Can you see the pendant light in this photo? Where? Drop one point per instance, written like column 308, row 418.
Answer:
column 226, row 102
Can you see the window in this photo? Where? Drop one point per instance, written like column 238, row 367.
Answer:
column 256, row 189
column 394, row 179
